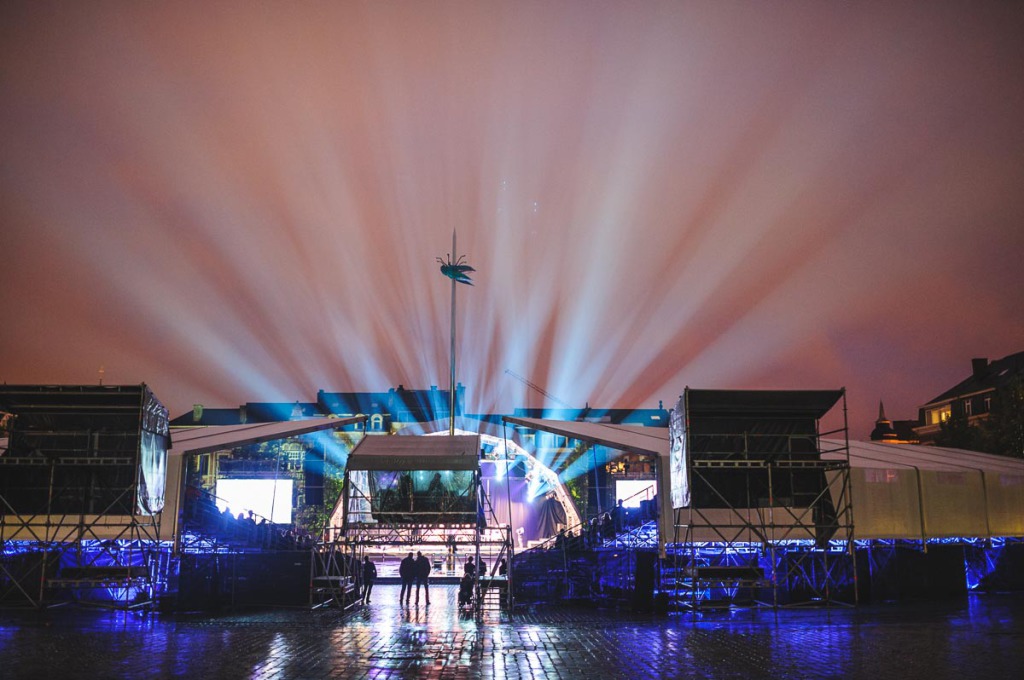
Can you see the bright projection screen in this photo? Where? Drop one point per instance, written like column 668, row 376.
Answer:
column 632, row 491
column 266, row 497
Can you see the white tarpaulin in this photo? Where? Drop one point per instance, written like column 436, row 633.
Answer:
column 920, row 492
column 898, row 491
column 195, row 440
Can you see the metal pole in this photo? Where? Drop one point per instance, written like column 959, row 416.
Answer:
column 477, row 573
column 851, row 545
column 509, row 536
column 451, row 363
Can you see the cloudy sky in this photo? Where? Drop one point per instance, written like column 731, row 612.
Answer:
column 244, row 201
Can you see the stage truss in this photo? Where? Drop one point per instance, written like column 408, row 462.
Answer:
column 791, row 551
column 48, row 558
column 445, row 525
column 81, row 489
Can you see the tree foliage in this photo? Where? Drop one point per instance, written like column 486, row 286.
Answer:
column 957, row 433
column 315, row 518
column 1001, row 433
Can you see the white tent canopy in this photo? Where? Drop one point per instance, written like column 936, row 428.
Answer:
column 898, row 491
column 905, row 491
column 461, row 452
column 652, row 441
column 206, row 439
column 193, row 440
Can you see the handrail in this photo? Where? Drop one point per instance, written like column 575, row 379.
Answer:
column 584, row 526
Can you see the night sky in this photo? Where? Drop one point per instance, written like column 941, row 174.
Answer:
column 244, row 201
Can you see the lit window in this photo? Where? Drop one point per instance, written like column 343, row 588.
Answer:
column 940, row 415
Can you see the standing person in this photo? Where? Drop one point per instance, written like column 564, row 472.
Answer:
column 369, row 576
column 607, row 528
column 618, row 516
column 452, row 549
column 422, row 574
column 407, row 572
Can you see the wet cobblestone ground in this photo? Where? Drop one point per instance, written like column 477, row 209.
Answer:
column 976, row 637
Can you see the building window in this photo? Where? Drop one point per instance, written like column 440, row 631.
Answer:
column 967, row 407
column 988, row 404
column 555, row 441
column 939, row 415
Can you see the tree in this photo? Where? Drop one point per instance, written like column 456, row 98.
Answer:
column 1001, row 433
column 1003, row 430
column 956, row 432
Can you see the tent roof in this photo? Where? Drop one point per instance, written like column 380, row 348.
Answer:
column 461, row 452
column 651, row 440
column 876, row 455
column 193, row 440
column 655, row 440
column 801, row 403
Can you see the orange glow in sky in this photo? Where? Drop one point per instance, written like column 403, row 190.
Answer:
column 237, row 201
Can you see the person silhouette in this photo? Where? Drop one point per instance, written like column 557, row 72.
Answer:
column 422, row 574
column 369, row 576
column 407, row 572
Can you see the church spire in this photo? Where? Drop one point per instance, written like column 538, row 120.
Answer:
column 883, row 427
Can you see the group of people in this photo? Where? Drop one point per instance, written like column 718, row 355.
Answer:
column 430, row 504
column 468, row 580
column 604, row 527
column 414, row 571
column 203, row 516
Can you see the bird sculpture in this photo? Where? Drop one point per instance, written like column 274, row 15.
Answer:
column 457, row 271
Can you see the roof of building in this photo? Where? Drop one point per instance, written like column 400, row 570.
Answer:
column 401, row 402
column 208, row 416
column 994, row 375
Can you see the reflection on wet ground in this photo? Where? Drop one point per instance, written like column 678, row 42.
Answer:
column 981, row 636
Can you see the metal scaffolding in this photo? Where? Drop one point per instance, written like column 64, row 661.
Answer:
column 385, row 503
column 766, row 517
column 81, row 489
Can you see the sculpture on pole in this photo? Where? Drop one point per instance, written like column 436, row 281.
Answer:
column 458, row 271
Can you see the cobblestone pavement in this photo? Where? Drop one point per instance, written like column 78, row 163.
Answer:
column 980, row 636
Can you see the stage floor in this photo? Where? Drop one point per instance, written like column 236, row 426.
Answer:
column 977, row 636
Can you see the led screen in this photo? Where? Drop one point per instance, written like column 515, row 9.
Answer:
column 632, row 491
column 266, row 497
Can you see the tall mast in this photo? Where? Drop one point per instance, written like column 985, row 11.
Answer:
column 451, row 360
column 455, row 267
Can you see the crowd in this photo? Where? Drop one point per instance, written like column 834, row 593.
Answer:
column 203, row 517
column 606, row 526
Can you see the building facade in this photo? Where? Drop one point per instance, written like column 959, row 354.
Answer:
column 970, row 399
